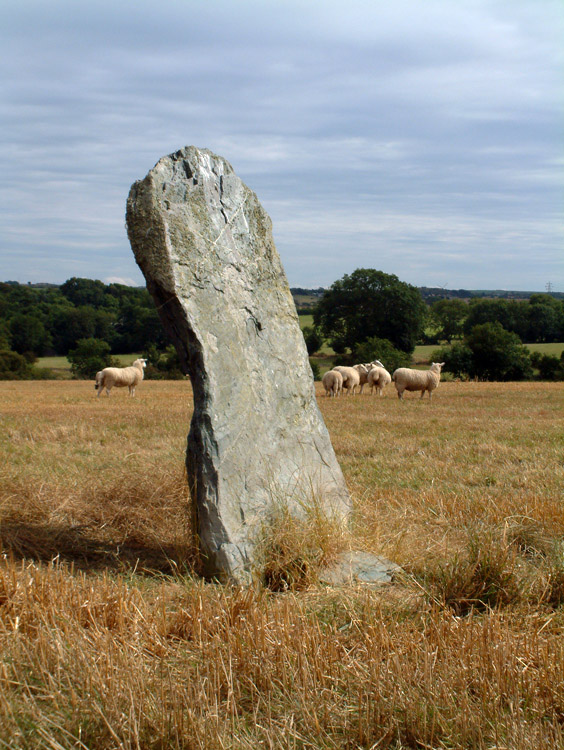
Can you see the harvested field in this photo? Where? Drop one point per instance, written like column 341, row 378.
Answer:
column 108, row 639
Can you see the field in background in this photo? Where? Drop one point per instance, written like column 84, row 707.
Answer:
column 423, row 353
column 108, row 641
column 306, row 320
column 555, row 349
column 62, row 368
column 421, row 356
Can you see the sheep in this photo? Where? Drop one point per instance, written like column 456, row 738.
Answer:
column 417, row 380
column 363, row 371
column 333, row 383
column 378, row 378
column 351, row 378
column 376, row 363
column 120, row 377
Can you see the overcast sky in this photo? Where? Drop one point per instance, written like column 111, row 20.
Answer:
column 420, row 138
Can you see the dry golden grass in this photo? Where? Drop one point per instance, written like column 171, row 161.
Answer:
column 109, row 641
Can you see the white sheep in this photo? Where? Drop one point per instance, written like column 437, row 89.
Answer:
column 378, row 378
column 363, row 371
column 333, row 383
column 120, row 377
column 351, row 378
column 406, row 379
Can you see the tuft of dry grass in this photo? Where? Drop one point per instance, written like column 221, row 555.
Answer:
column 108, row 640
column 291, row 551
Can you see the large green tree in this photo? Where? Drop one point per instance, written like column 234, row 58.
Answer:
column 28, row 334
column 384, row 352
column 545, row 318
column 498, row 354
column 313, row 339
column 70, row 324
column 488, row 352
column 84, row 291
column 511, row 314
column 14, row 366
column 447, row 317
column 137, row 327
column 540, row 319
column 369, row 303
column 90, row 356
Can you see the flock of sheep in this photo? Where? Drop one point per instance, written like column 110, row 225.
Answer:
column 373, row 374
column 377, row 377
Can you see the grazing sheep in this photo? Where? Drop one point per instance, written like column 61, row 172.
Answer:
column 333, row 383
column 120, row 377
column 378, row 378
column 351, row 378
column 418, row 380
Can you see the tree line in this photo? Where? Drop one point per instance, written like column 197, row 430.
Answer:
column 365, row 315
column 373, row 315
column 83, row 318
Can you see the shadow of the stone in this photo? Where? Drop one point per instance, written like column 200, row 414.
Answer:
column 76, row 546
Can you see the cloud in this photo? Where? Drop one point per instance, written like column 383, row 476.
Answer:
column 420, row 121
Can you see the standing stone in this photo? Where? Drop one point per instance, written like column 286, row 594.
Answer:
column 257, row 440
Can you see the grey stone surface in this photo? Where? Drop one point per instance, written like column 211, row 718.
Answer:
column 257, row 439
column 359, row 567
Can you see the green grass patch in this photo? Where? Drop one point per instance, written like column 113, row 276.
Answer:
column 555, row 349
column 326, row 350
column 54, row 363
column 324, row 361
column 62, row 364
column 424, row 353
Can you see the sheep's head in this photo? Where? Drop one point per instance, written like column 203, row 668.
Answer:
column 437, row 366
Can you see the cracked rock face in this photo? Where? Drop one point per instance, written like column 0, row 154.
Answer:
column 257, row 440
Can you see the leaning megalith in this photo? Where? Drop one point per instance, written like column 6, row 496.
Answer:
column 257, row 440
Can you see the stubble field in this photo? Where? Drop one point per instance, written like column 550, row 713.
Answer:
column 108, row 640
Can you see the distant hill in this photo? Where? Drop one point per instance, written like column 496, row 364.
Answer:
column 307, row 298
column 304, row 297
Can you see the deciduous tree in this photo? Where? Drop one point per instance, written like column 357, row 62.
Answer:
column 370, row 303
column 90, row 356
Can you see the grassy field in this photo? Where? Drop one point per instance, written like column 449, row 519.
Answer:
column 61, row 366
column 421, row 356
column 306, row 320
column 555, row 349
column 109, row 641
column 424, row 353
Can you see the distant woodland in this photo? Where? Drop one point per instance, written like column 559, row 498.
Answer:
column 38, row 320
